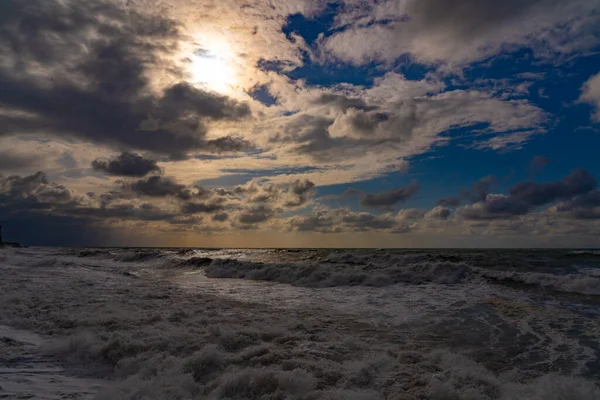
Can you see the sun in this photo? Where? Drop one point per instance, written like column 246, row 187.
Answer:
column 212, row 68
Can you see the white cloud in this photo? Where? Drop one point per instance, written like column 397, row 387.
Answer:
column 590, row 93
column 462, row 31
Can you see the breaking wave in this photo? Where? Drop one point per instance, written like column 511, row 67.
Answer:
column 314, row 275
column 579, row 274
column 137, row 256
column 353, row 272
column 150, row 339
column 572, row 283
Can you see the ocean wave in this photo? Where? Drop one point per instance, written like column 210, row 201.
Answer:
column 88, row 253
column 584, row 252
column 195, row 262
column 315, row 275
column 389, row 272
column 572, row 283
column 138, row 256
column 150, row 340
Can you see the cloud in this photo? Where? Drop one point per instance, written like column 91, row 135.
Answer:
column 34, row 196
column 298, row 193
column 494, row 207
column 586, row 206
column 340, row 220
column 365, row 221
column 590, row 93
column 480, row 189
column 391, row 122
column 439, row 212
column 290, row 194
column 155, row 186
column 535, row 194
column 477, row 193
column 195, row 208
column 461, row 31
column 82, row 69
column 126, row 164
column 342, row 102
column 32, row 192
column 525, row 196
column 220, row 217
column 256, row 214
column 385, row 199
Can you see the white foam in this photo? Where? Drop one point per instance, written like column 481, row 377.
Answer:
column 25, row 373
column 239, row 338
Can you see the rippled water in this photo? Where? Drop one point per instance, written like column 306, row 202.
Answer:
column 519, row 314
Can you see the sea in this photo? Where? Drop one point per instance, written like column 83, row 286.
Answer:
column 173, row 323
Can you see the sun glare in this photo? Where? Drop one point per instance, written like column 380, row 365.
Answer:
column 213, row 69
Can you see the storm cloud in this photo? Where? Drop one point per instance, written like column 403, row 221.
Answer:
column 100, row 57
column 525, row 196
column 155, row 186
column 476, row 193
column 386, row 198
column 535, row 194
column 126, row 164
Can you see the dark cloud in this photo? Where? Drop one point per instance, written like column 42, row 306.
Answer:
column 134, row 212
column 478, row 192
column 384, row 199
column 480, row 189
column 21, row 195
column 220, row 217
column 196, row 208
column 299, row 193
column 31, row 192
column 341, row 220
column 362, row 123
column 26, row 198
column 182, row 100
column 29, row 204
column 320, row 221
column 300, row 187
column 366, row 221
column 311, row 136
column 126, row 164
column 256, row 214
column 576, row 188
column 536, row 194
column 310, row 133
column 228, row 144
column 495, row 207
column 586, row 206
column 155, row 186
column 99, row 57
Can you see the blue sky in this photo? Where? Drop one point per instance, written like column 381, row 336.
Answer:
column 401, row 122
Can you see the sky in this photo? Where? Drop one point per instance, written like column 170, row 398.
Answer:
column 300, row 123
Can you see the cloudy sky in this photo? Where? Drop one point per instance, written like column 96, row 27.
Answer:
column 300, row 123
